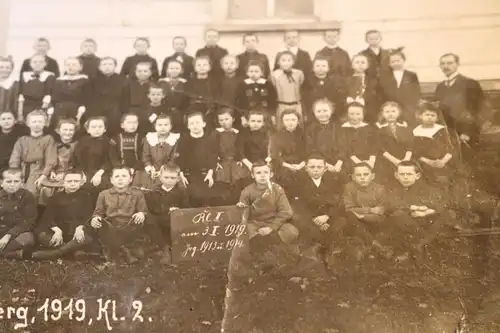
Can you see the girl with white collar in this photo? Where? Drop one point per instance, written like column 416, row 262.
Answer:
column 69, row 96
column 9, row 86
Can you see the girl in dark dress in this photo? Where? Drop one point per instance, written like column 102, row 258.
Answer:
column 70, row 93
column 126, row 147
column 174, row 90
column 202, row 90
column 362, row 87
column 9, row 86
column 229, row 167
column 433, row 148
column 357, row 138
column 92, row 155
column 106, row 92
column 322, row 136
column 136, row 93
column 10, row 132
column 395, row 141
column 255, row 93
column 141, row 46
column 288, row 152
column 35, row 87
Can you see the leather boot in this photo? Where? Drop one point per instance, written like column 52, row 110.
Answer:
column 12, row 255
column 66, row 248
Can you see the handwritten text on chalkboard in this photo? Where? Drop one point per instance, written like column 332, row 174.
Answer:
column 206, row 232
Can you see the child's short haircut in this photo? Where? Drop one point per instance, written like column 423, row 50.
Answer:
column 37, row 113
column 155, row 86
column 398, row 51
column 42, row 40
column 170, row 167
column 289, row 111
column 66, row 121
column 128, row 114
column 109, row 58
column 195, row 114
column 315, row 156
column 413, row 164
column 372, row 31
column 74, row 58
column 74, row 172
column 250, row 34
column 36, row 55
column 142, row 39
column 179, row 37
column 255, row 63
column 211, row 30
column 259, row 164
column 141, row 63
column 225, row 110
column 87, row 123
column 12, row 171
column 232, row 56
column 359, row 55
column 333, row 29
column 321, row 58
column 89, row 40
column 163, row 116
column 362, row 165
column 291, row 30
column 121, row 167
column 203, row 57
column 325, row 101
column 257, row 112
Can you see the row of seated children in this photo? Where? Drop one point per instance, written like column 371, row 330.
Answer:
column 242, row 82
column 216, row 165
column 73, row 220
column 121, row 214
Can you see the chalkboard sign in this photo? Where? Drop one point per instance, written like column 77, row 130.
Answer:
column 203, row 234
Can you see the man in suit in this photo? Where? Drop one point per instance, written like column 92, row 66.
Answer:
column 462, row 102
column 378, row 57
column 250, row 42
column 302, row 58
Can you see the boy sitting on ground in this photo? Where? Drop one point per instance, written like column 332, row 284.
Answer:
column 63, row 227
column 119, row 216
column 18, row 212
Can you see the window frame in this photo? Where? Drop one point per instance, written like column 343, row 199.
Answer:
column 223, row 23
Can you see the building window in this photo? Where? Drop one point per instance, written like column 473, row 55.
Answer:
column 270, row 9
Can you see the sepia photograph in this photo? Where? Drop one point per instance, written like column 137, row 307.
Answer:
column 264, row 166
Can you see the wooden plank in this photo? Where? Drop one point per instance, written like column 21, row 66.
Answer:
column 206, row 234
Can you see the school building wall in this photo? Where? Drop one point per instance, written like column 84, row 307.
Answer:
column 427, row 28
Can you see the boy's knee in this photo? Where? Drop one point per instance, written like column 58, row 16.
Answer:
column 288, row 233
column 25, row 239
